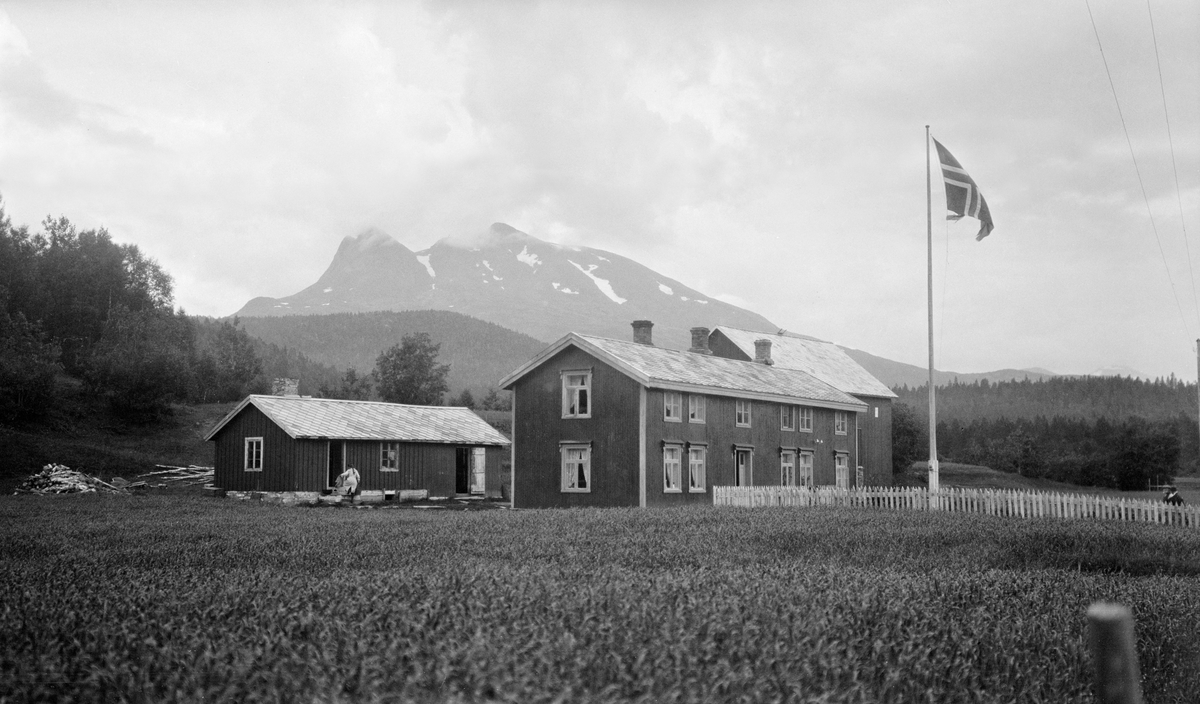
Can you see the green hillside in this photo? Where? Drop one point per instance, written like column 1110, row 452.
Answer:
column 479, row 353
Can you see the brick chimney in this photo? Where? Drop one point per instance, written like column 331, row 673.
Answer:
column 641, row 332
column 285, row 387
column 762, row 352
column 700, row 341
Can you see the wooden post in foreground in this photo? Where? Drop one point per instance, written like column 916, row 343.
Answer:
column 1110, row 636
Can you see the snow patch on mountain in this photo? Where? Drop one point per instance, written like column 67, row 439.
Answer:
column 327, row 290
column 666, row 289
column 528, row 257
column 424, row 259
column 602, row 284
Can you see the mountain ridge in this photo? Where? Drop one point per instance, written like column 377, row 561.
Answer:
column 513, row 279
column 542, row 290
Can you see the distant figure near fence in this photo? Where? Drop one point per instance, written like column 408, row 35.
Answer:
column 1171, row 496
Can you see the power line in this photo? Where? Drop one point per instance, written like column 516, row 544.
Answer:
column 1171, row 142
column 1137, row 170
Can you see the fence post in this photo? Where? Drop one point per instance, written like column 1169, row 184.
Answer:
column 1110, row 635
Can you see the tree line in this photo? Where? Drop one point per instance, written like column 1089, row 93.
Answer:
column 409, row 372
column 1094, row 431
column 1090, row 397
column 75, row 302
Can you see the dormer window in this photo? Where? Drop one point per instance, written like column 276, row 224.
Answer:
column 577, row 394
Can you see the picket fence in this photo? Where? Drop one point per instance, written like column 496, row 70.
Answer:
column 996, row 502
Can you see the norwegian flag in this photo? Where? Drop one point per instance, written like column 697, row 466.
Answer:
column 962, row 195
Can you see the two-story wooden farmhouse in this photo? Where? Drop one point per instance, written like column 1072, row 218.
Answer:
column 602, row 422
column 295, row 443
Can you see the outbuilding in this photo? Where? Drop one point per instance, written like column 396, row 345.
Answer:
column 297, row 443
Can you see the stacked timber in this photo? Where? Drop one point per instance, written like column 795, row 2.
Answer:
column 60, row 479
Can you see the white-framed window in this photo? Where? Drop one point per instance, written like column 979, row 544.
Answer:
column 804, row 470
column 839, row 422
column 577, row 394
column 672, row 465
column 804, row 415
column 389, row 454
column 787, row 467
column 673, row 406
column 697, row 466
column 787, row 417
column 253, row 455
column 697, row 408
column 576, row 467
column 842, row 470
column 742, row 414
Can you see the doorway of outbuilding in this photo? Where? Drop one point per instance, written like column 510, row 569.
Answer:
column 337, row 460
column 462, row 470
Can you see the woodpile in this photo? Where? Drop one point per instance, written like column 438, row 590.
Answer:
column 192, row 475
column 60, row 479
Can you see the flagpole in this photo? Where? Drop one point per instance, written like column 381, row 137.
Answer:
column 933, row 461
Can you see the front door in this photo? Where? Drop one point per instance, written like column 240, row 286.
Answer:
column 743, row 459
column 337, row 460
column 843, row 471
column 462, row 470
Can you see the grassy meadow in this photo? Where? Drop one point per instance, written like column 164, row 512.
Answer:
column 186, row 598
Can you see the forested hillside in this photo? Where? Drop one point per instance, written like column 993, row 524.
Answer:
column 1102, row 431
column 479, row 353
column 1086, row 397
column 78, row 308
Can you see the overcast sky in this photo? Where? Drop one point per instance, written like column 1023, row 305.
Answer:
column 769, row 154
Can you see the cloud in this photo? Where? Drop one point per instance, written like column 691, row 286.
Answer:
column 768, row 153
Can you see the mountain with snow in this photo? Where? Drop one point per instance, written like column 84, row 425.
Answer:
column 514, row 280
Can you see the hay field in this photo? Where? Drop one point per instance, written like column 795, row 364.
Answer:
column 180, row 598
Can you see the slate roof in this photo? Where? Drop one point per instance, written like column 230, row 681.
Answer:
column 824, row 360
column 307, row 418
column 659, row 367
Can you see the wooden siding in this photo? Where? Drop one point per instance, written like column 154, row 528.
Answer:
column 303, row 465
column 722, row 434
column 420, row 465
column 288, row 465
column 876, row 441
column 539, row 427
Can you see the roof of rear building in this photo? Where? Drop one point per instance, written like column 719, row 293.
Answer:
column 824, row 360
column 303, row 417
